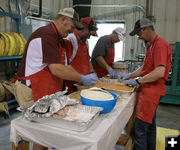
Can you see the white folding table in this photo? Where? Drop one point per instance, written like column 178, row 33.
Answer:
column 101, row 135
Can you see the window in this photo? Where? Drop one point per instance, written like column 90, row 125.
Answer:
column 106, row 28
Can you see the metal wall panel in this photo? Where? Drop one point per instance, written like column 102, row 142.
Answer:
column 129, row 15
column 177, row 20
column 166, row 21
column 166, row 14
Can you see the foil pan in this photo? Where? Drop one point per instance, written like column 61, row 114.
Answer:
column 46, row 106
column 76, row 117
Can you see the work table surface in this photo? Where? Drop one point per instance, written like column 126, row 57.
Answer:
column 101, row 135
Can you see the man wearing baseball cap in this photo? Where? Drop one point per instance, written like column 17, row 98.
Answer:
column 151, row 79
column 90, row 24
column 78, row 49
column 44, row 64
column 71, row 13
column 103, row 53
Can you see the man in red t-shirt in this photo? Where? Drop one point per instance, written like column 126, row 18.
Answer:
column 151, row 81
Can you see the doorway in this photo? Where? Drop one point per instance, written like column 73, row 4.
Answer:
column 106, row 28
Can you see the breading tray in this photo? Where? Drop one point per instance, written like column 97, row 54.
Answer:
column 72, row 125
column 122, row 93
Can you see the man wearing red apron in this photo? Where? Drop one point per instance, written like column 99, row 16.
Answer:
column 151, row 81
column 78, row 49
column 43, row 67
column 103, row 53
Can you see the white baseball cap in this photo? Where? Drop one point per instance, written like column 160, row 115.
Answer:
column 121, row 33
column 71, row 13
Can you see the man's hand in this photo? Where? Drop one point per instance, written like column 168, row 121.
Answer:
column 124, row 76
column 131, row 83
column 112, row 73
column 94, row 76
column 89, row 79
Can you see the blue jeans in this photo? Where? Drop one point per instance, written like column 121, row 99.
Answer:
column 144, row 134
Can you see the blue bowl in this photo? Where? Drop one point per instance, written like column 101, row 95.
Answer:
column 107, row 105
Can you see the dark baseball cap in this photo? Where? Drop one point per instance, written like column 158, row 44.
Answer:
column 141, row 23
column 70, row 12
column 89, row 23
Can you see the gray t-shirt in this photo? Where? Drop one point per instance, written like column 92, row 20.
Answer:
column 101, row 48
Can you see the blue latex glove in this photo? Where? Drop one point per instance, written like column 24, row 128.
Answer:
column 88, row 79
column 131, row 83
column 124, row 76
column 94, row 76
column 112, row 73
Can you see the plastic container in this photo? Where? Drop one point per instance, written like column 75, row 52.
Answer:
column 107, row 105
column 120, row 67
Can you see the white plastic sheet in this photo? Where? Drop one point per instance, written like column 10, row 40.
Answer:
column 102, row 135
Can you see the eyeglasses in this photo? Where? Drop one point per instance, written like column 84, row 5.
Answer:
column 140, row 32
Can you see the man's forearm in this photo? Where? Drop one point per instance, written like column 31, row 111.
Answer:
column 136, row 73
column 91, row 67
column 156, row 74
column 64, row 72
column 101, row 61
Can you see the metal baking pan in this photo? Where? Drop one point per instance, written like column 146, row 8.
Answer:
column 123, row 93
column 73, row 124
column 101, row 83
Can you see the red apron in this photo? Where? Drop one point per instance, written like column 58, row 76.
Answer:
column 81, row 60
column 109, row 60
column 43, row 82
column 148, row 94
column 80, row 63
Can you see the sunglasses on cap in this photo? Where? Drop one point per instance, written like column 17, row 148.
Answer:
column 91, row 25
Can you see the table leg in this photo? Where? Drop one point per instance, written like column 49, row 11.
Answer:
column 130, row 124
column 22, row 146
column 129, row 144
column 126, row 139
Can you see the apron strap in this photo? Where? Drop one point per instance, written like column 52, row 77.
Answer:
column 110, row 41
column 23, row 78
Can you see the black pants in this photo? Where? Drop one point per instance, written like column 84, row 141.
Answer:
column 144, row 135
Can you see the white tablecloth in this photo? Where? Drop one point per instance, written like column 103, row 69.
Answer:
column 101, row 135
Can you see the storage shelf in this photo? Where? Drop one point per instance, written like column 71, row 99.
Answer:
column 173, row 84
column 8, row 58
column 12, row 103
column 15, row 17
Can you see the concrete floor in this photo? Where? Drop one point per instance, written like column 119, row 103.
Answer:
column 167, row 117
